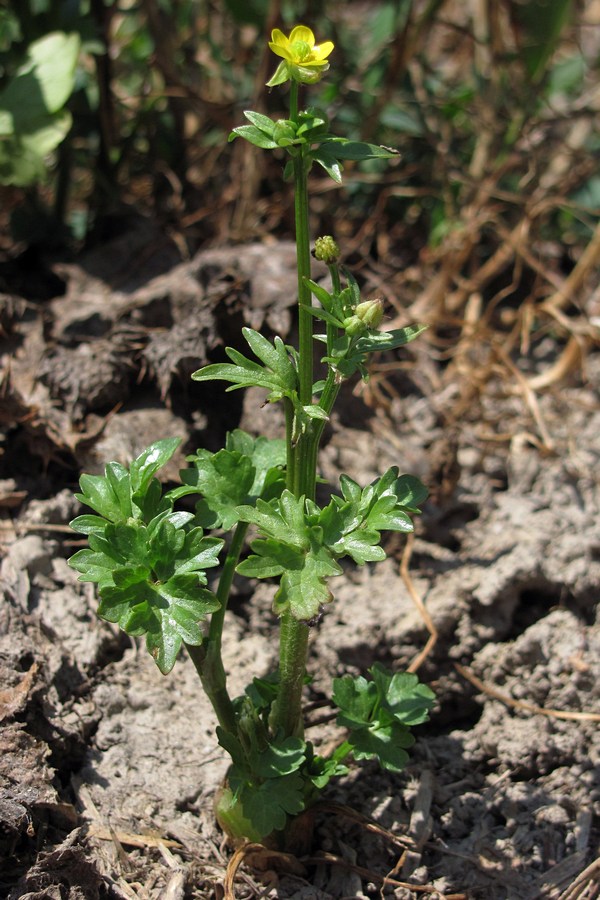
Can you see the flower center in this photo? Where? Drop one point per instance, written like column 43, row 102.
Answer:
column 301, row 50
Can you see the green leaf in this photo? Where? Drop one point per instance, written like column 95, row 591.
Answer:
column 150, row 461
column 150, row 578
column 351, row 524
column 279, row 758
column 244, row 375
column 120, row 481
column 303, row 588
column 329, row 162
column 170, row 615
column 293, row 550
column 542, row 24
column 254, row 135
column 275, row 356
column 377, row 713
column 32, row 121
column 341, row 148
column 88, row 524
column 278, row 375
column 322, row 295
column 406, row 698
column 197, row 554
column 385, row 743
column 264, row 123
column 356, row 698
column 268, row 457
column 268, row 805
column 98, row 493
column 282, row 519
column 388, row 340
column 224, row 480
column 53, row 59
column 281, row 74
column 320, row 770
column 410, row 492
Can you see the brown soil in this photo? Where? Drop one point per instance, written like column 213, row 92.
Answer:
column 108, row 769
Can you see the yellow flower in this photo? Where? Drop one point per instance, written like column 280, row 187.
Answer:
column 302, row 59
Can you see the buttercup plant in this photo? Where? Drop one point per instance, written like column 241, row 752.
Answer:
column 149, row 559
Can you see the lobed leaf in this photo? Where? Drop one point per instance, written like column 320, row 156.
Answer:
column 378, row 713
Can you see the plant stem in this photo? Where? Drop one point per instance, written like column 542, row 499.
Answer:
column 207, row 658
column 293, row 645
column 332, row 385
column 305, row 320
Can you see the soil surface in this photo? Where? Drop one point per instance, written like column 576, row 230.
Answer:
column 108, row 769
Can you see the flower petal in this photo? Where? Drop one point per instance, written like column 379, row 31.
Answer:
column 302, row 33
column 322, row 51
column 278, row 37
column 279, row 50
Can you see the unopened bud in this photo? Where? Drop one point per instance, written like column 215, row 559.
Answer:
column 366, row 315
column 354, row 326
column 326, row 250
column 370, row 313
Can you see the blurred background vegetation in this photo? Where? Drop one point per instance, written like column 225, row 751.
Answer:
column 488, row 219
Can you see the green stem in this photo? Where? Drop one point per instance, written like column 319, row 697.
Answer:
column 290, row 473
column 332, row 385
column 305, row 320
column 207, row 658
column 293, row 645
column 341, row 752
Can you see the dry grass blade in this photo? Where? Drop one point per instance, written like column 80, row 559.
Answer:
column 365, row 822
column 568, row 361
column 369, row 875
column 528, row 396
column 522, row 704
column 128, row 839
column 587, row 263
column 261, row 859
column 586, row 886
column 420, row 658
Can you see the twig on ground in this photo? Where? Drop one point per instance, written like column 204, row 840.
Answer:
column 522, row 704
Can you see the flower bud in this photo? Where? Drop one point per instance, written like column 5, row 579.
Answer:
column 353, row 326
column 370, row 313
column 366, row 316
column 326, row 250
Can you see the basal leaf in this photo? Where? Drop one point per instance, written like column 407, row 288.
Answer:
column 356, row 698
column 385, row 743
column 279, row 758
column 268, row 805
column 404, row 696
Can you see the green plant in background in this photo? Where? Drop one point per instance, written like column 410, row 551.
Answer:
column 33, row 117
column 150, row 560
